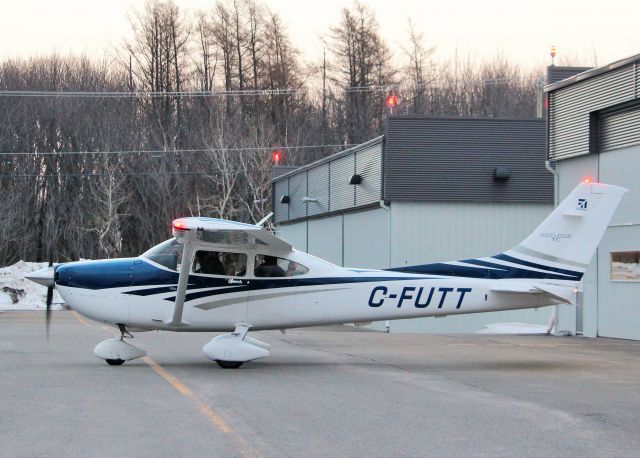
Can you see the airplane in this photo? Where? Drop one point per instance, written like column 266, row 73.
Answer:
column 216, row 275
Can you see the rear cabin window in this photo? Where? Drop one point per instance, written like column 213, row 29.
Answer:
column 272, row 266
column 220, row 263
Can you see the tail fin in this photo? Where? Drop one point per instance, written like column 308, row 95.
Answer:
column 571, row 233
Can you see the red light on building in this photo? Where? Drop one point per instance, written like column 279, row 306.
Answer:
column 277, row 156
column 392, row 101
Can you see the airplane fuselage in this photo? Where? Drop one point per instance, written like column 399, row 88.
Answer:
column 141, row 294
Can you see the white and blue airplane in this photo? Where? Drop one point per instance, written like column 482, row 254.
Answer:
column 216, row 275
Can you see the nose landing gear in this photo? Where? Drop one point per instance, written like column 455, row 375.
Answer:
column 116, row 351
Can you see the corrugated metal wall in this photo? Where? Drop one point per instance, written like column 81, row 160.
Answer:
column 620, row 129
column 559, row 73
column 457, row 158
column 328, row 182
column 610, row 309
column 571, row 108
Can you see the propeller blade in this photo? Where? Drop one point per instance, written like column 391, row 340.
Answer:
column 49, row 300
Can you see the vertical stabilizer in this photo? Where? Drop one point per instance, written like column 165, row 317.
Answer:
column 570, row 234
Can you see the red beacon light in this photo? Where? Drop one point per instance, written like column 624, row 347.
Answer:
column 276, row 156
column 587, row 180
column 179, row 225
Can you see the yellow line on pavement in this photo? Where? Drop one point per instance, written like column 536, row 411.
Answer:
column 80, row 318
column 215, row 419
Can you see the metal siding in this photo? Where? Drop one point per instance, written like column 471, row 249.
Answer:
column 570, row 107
column 425, row 232
column 318, row 188
column 325, row 239
column 618, row 302
column 366, row 239
column 369, row 166
column 637, row 68
column 295, row 234
column 297, row 190
column 622, row 167
column 570, row 173
column 620, row 129
column 341, row 195
column 281, row 211
column 555, row 73
column 437, row 159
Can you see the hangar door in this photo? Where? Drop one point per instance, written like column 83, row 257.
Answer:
column 619, row 252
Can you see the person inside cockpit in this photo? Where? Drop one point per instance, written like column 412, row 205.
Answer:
column 269, row 268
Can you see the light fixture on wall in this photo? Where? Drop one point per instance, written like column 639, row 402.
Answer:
column 284, row 199
column 355, row 179
column 307, row 199
column 501, row 173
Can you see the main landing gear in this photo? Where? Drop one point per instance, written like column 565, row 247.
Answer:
column 116, row 351
column 230, row 351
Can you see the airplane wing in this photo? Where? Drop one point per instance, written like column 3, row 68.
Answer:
column 224, row 232
column 217, row 232
column 562, row 294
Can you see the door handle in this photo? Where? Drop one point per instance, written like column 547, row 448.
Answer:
column 234, row 281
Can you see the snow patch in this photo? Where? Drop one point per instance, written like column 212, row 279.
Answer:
column 18, row 293
column 514, row 328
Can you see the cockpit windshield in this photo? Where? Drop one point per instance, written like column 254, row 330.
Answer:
column 168, row 253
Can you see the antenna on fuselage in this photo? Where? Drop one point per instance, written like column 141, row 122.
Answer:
column 264, row 220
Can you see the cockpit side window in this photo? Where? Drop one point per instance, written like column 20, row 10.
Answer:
column 272, row 266
column 220, row 263
column 167, row 253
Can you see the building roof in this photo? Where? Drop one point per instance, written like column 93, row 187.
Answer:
column 458, row 159
column 423, row 159
column 591, row 73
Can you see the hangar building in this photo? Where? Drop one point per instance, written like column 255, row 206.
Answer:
column 594, row 131
column 429, row 190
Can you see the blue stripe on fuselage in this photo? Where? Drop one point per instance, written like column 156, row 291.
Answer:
column 492, row 271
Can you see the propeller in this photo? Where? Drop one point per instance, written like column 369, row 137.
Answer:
column 49, row 300
column 45, row 277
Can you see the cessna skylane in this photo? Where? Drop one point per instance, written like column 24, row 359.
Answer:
column 216, row 275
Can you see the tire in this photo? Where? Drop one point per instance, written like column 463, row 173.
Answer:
column 115, row 362
column 229, row 364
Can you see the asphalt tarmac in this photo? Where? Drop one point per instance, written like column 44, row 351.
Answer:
column 322, row 392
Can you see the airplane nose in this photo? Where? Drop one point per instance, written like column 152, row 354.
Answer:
column 44, row 277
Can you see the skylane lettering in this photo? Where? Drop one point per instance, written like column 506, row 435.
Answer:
column 420, row 297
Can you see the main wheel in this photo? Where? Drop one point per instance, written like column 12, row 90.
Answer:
column 114, row 362
column 229, row 364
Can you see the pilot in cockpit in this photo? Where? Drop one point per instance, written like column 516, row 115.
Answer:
column 207, row 262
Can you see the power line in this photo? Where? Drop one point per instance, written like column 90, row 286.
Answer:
column 177, row 172
column 241, row 93
column 135, row 94
column 201, row 150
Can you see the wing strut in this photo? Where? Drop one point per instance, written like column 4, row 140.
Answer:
column 188, row 239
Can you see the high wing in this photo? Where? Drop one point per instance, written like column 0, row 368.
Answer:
column 224, row 232
column 216, row 231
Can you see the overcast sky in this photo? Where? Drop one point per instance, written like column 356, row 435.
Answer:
column 582, row 30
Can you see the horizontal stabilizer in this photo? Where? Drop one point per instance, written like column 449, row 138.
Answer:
column 562, row 294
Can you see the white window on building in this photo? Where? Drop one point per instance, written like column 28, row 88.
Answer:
column 625, row 266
